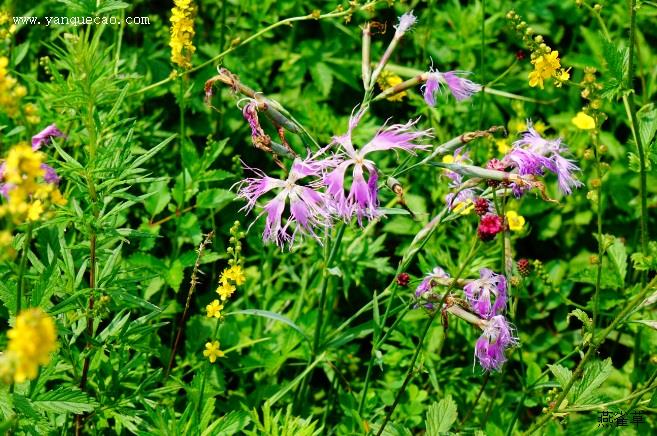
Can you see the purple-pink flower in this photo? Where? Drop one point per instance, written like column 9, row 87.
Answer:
column 493, row 342
column 406, row 21
column 487, row 295
column 533, row 154
column 431, row 87
column 44, row 136
column 427, row 283
column 362, row 198
column 460, row 87
column 308, row 207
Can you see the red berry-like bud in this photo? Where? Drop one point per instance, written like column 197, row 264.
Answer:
column 481, row 206
column 520, row 55
column 489, row 226
column 403, row 279
column 524, row 267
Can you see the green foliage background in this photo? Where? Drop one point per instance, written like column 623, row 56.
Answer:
column 157, row 196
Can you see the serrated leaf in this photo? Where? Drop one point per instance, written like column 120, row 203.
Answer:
column 561, row 374
column 64, row 400
column 618, row 255
column 582, row 316
column 322, row 77
column 647, row 117
column 441, row 416
column 231, row 423
column 595, row 373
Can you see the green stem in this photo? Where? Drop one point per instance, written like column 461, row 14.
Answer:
column 328, row 261
column 20, row 288
column 598, row 277
column 631, row 112
column 411, row 368
column 416, row 245
column 199, row 407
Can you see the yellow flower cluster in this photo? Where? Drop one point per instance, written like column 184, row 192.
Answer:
column 31, row 342
column 546, row 61
column 29, row 195
column 387, row 80
column 546, row 66
column 182, row 33
column 6, row 249
column 230, row 278
column 7, row 26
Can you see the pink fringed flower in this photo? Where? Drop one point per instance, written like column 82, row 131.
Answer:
column 493, row 342
column 44, row 136
column 487, row 295
column 460, row 87
column 362, row 198
column 308, row 208
column 533, row 154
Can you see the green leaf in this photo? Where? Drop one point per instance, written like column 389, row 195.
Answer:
column 595, row 373
column 561, row 374
column 231, row 423
column 441, row 416
column 270, row 315
column 214, row 199
column 64, row 400
column 650, row 323
column 175, row 274
column 322, row 77
column 618, row 255
column 647, row 117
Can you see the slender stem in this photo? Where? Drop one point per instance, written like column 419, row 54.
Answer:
column 411, row 368
column 598, row 278
column 197, row 265
column 93, row 239
column 416, row 245
column 20, row 288
column 325, row 279
column 205, row 374
column 629, row 108
column 409, row 372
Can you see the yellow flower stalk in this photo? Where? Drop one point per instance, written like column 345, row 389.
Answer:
column 31, row 342
column 182, row 33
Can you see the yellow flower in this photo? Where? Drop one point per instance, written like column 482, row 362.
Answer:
column 516, row 222
column 31, row 341
column 502, row 146
column 236, row 274
column 448, row 159
column 545, row 66
column 387, row 80
column 212, row 351
column 23, row 164
column 182, row 33
column 214, row 309
column 583, row 121
column 225, row 290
